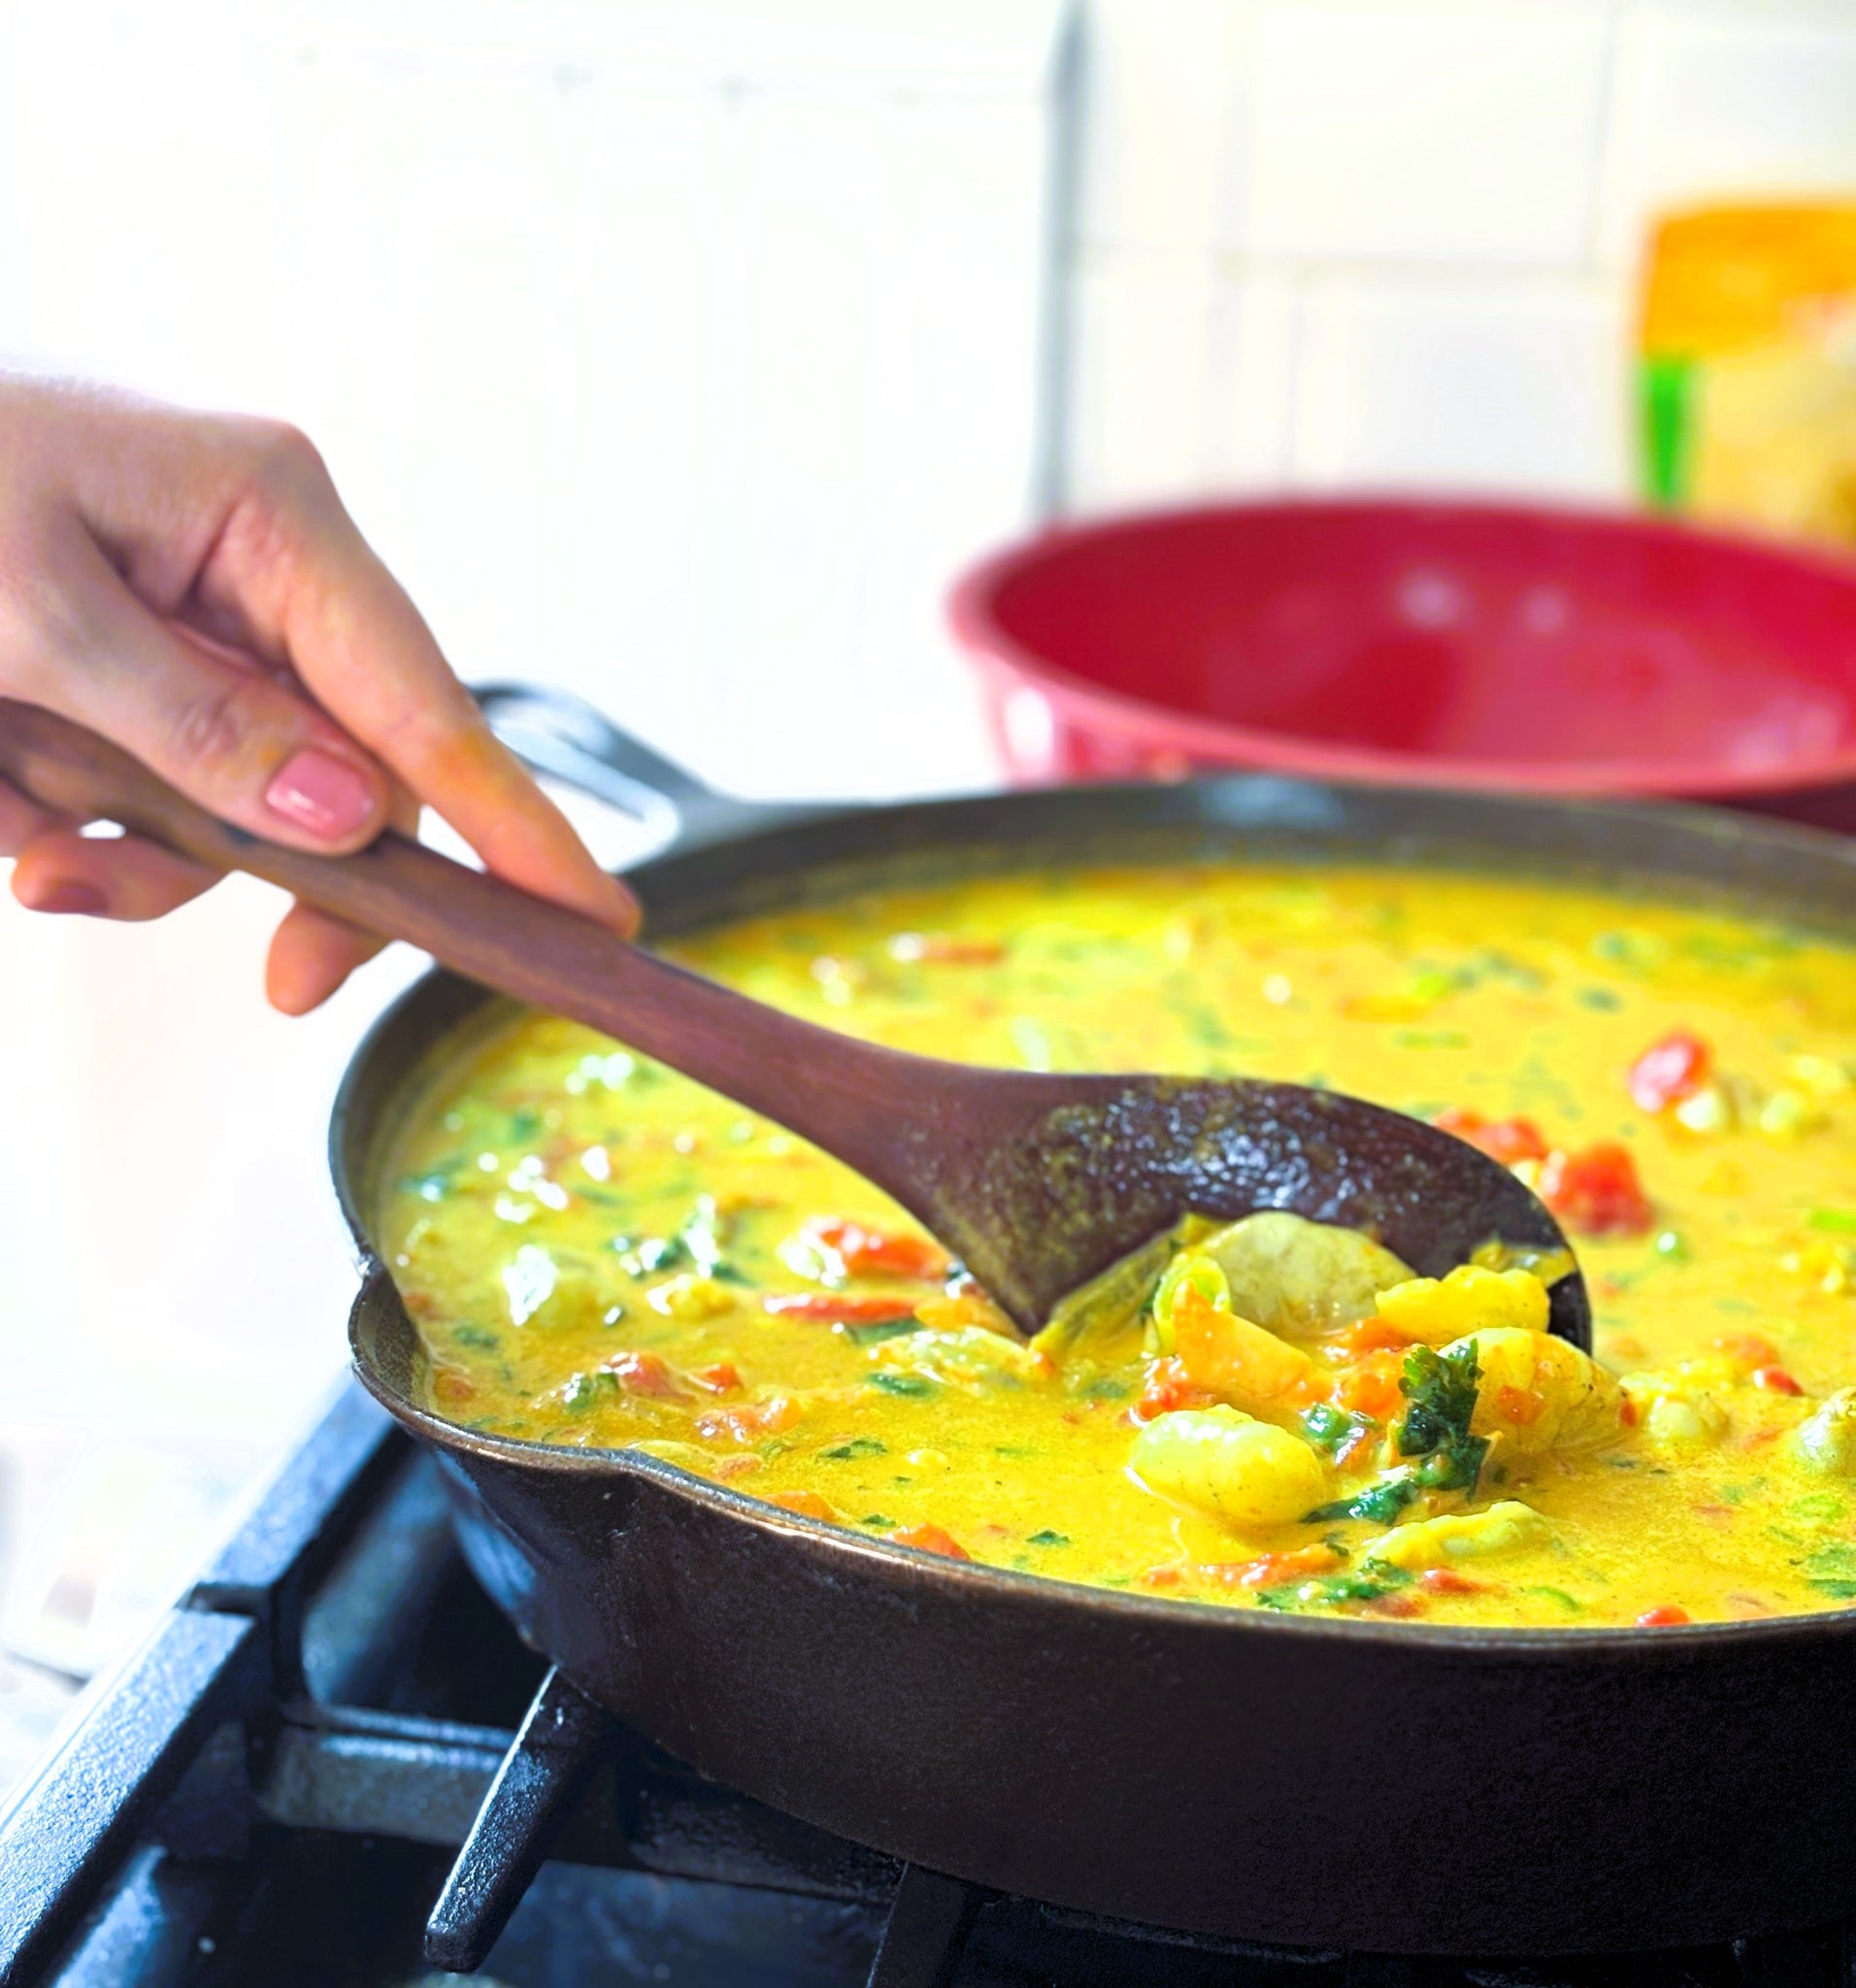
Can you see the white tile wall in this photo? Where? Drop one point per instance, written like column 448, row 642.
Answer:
column 1417, row 264
column 1464, row 132
column 1143, row 328
column 1160, row 79
column 1476, row 384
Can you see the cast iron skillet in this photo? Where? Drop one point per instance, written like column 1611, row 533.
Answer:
column 1323, row 1782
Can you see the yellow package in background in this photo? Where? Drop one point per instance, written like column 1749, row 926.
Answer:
column 1748, row 368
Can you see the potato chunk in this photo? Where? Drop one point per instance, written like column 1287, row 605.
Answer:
column 1248, row 1472
column 1290, row 1275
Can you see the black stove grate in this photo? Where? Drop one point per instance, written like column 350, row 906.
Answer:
column 338, row 1731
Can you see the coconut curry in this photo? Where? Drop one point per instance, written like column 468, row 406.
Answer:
column 1268, row 1413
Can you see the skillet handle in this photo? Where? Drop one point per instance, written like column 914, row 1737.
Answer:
column 556, row 733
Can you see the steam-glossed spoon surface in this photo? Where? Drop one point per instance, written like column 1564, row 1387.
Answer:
column 1037, row 1182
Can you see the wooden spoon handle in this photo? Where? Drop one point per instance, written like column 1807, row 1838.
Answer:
column 471, row 922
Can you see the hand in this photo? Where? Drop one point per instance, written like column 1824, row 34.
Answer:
column 191, row 586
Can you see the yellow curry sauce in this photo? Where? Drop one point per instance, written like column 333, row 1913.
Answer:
column 598, row 1252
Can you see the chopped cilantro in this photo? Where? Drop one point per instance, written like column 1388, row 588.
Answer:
column 858, row 1445
column 1832, row 1571
column 1381, row 1503
column 882, row 1329
column 1362, row 1584
column 1331, row 1429
column 650, row 1254
column 583, row 1390
column 903, row 1384
column 1439, row 1392
column 1105, row 1390
column 1047, row 1537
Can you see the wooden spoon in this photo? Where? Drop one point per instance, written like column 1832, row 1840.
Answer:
column 1036, row 1183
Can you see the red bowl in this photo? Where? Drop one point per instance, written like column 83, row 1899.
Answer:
column 1458, row 644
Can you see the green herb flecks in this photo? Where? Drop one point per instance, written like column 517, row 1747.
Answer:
column 1832, row 1571
column 1369, row 1583
column 1439, row 1392
column 1381, row 1502
column 584, row 1391
column 645, row 1256
column 914, row 1384
column 1335, row 1429
column 701, row 1238
column 881, row 1329
column 436, row 1182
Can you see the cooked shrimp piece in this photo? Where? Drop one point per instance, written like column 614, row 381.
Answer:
column 1539, row 1393
column 1240, row 1362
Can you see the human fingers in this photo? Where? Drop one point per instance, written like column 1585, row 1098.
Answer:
column 312, row 955
column 251, row 750
column 121, row 878
column 313, row 951
column 21, row 820
column 284, row 572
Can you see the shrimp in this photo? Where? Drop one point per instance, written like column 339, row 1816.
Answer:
column 1540, row 1393
column 1240, row 1362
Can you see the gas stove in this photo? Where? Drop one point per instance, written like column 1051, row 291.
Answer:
column 335, row 1765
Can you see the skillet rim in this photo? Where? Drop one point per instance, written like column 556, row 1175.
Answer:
column 1521, row 1644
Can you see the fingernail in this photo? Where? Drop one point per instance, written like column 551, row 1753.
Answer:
column 319, row 792
column 84, row 900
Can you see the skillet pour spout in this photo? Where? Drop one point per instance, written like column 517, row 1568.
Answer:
column 1042, row 1182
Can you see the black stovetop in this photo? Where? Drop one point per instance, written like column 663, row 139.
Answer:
column 336, row 1766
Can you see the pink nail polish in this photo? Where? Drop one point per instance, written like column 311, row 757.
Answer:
column 313, row 790
column 83, row 900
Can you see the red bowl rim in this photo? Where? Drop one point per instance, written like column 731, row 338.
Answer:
column 1167, row 730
